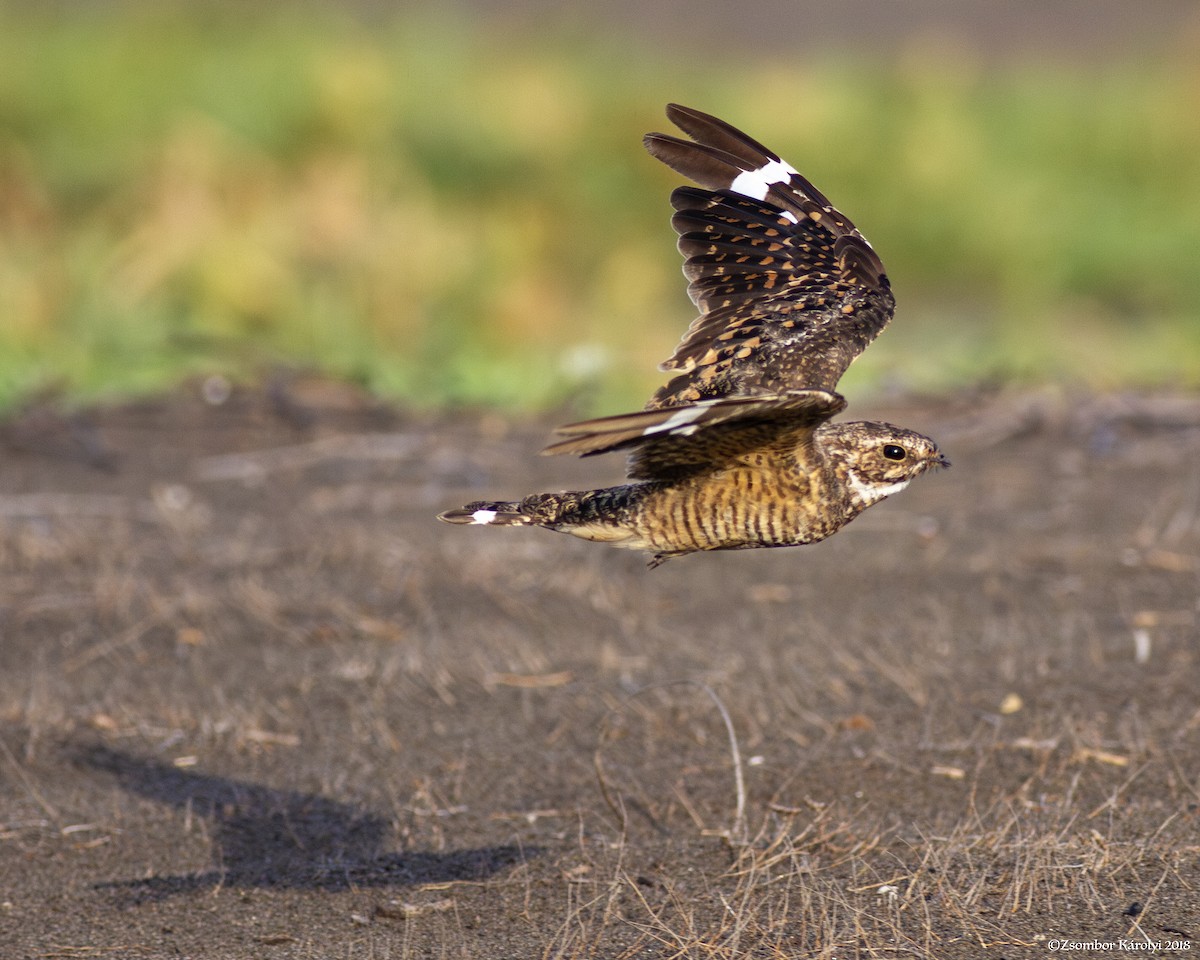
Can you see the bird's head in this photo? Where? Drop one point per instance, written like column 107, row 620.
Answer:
column 875, row 460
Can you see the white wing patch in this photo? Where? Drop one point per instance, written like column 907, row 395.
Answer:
column 483, row 516
column 757, row 183
column 679, row 422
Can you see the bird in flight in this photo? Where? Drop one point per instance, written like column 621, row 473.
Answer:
column 739, row 449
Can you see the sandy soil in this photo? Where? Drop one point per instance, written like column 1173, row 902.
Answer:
column 255, row 702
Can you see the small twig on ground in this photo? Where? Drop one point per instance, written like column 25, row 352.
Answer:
column 735, row 835
column 30, row 786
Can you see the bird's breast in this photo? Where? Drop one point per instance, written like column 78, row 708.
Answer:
column 739, row 507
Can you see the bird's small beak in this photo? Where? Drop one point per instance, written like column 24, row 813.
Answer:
column 941, row 461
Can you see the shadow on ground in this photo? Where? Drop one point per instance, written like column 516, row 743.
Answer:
column 282, row 839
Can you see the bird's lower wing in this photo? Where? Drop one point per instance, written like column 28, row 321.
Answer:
column 678, row 440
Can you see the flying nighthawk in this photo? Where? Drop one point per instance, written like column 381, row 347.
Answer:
column 739, row 450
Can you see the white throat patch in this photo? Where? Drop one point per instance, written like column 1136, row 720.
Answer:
column 873, row 492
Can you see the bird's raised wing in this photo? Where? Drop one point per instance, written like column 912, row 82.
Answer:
column 789, row 291
column 674, row 442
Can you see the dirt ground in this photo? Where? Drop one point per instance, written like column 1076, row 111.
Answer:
column 255, row 702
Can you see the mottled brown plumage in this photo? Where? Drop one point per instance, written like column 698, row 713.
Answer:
column 738, row 450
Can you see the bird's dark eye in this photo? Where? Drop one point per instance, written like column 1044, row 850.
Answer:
column 893, row 452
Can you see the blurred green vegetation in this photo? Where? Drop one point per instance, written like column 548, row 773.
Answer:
column 451, row 215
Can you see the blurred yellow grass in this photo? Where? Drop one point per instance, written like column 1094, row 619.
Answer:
column 452, row 217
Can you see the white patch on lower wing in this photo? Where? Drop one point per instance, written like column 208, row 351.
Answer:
column 483, row 516
column 678, row 421
column 873, row 492
column 757, row 183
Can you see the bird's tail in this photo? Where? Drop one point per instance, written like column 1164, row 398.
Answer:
column 505, row 513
